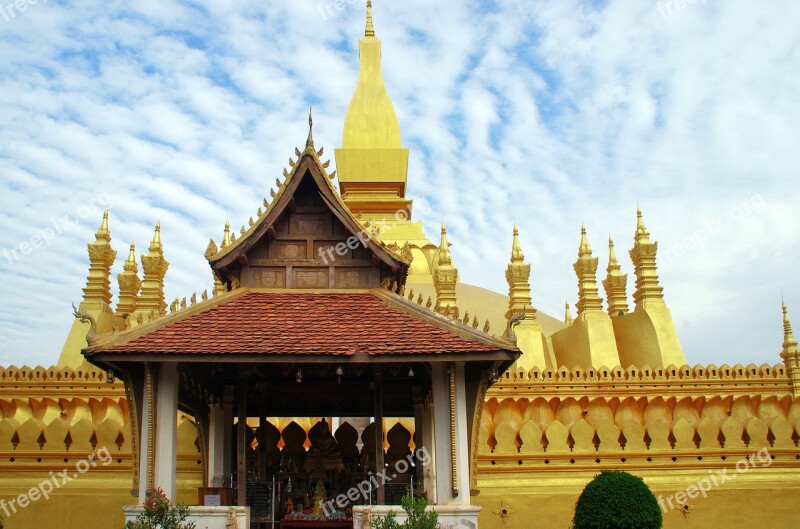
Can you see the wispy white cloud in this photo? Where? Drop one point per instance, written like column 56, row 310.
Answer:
column 547, row 114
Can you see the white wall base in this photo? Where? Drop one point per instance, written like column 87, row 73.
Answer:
column 450, row 516
column 203, row 517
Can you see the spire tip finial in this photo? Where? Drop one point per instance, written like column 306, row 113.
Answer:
column 310, row 140
column 370, row 31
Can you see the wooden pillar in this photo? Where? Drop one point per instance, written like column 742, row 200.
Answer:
column 241, row 441
column 379, row 465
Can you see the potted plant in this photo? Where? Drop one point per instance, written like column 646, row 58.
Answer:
column 160, row 513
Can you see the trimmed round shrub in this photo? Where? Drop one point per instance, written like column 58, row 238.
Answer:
column 617, row 500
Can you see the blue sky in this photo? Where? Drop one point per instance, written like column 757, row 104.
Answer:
column 547, row 114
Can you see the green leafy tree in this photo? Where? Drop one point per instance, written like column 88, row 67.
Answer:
column 417, row 516
column 617, row 500
column 160, row 513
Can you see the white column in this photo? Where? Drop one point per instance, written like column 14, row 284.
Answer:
column 443, row 494
column 216, row 445
column 462, row 436
column 166, row 429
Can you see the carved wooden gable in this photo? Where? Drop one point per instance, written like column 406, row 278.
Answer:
column 312, row 243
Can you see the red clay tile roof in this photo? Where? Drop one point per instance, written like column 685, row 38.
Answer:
column 303, row 323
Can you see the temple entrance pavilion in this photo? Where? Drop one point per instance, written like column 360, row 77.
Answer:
column 297, row 330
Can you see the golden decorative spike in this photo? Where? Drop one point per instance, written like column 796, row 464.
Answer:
column 475, row 322
column 615, row 283
column 129, row 284
column 226, row 238
column 174, row 307
column 266, row 203
column 297, row 152
column 233, row 237
column 193, row 299
column 429, row 303
column 643, row 255
column 285, row 173
column 326, row 164
column 411, row 295
column 183, row 303
column 278, row 183
column 402, row 291
column 260, row 212
column 292, row 163
column 211, row 249
column 204, row 296
column 370, row 30
column 420, row 300
column 567, row 314
column 310, row 139
column 320, row 152
column 586, row 268
column 242, row 230
column 455, row 313
column 447, row 312
column 332, row 175
column 445, row 277
column 250, row 222
column 140, row 318
column 465, row 321
column 272, row 193
column 486, row 326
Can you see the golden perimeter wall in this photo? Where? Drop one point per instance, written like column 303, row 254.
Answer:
column 543, row 436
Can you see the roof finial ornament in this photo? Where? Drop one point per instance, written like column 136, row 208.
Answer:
column 788, row 336
column 370, row 31
column 310, row 140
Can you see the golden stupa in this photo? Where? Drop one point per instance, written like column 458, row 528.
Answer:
column 606, row 388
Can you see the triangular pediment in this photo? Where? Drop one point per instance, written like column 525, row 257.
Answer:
column 306, row 238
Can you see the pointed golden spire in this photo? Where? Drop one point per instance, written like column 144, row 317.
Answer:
column 444, row 250
column 615, row 284
column 586, row 268
column 516, row 250
column 226, row 239
column 567, row 314
column 790, row 352
column 643, row 255
column 102, row 232
column 155, row 268
column 310, row 139
column 789, row 340
column 129, row 284
column 370, row 31
column 97, row 293
column 518, row 277
column 445, row 278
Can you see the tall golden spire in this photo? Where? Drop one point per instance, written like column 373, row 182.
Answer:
column 445, row 279
column 615, row 284
column 310, row 139
column 643, row 255
column 789, row 340
column 567, row 313
column 155, row 268
column 129, row 283
column 586, row 268
column 518, row 277
column 790, row 352
column 372, row 164
column 370, row 31
column 97, row 293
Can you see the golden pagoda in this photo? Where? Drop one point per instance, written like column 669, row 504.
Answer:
column 607, row 388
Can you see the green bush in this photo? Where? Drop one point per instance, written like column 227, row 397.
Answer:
column 418, row 518
column 159, row 513
column 617, row 500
